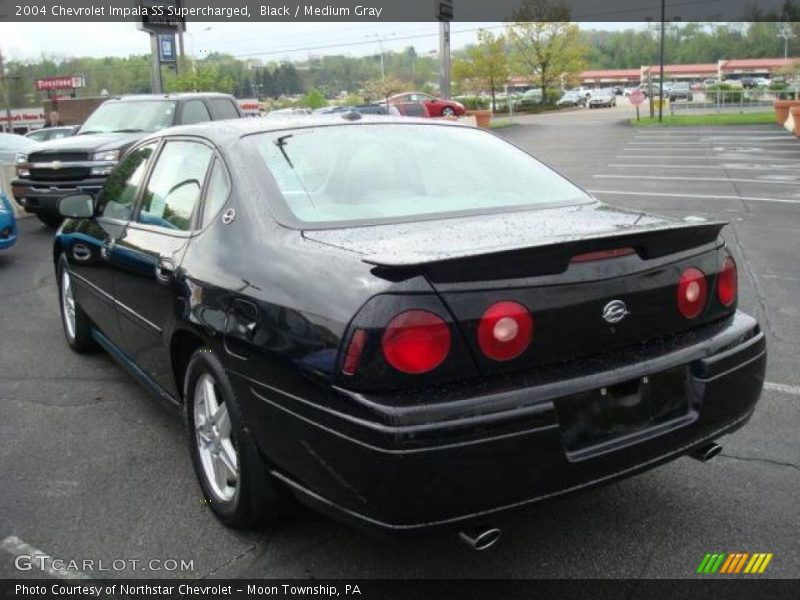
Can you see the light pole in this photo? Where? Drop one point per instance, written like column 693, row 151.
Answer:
column 661, row 64
column 381, row 39
column 194, row 58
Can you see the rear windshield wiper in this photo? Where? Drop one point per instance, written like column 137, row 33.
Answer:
column 89, row 132
column 127, row 130
column 281, row 144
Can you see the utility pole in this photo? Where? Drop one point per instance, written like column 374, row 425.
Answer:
column 661, row 63
column 787, row 34
column 444, row 13
column 6, row 95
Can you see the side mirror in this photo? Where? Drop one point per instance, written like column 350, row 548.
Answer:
column 76, row 206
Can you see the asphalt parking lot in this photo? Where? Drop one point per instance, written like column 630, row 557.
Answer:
column 94, row 468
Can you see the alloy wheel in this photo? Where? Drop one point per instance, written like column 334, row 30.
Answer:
column 218, row 453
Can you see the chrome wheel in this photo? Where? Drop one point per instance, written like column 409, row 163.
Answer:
column 212, row 426
column 68, row 304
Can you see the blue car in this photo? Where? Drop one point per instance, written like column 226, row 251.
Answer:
column 8, row 224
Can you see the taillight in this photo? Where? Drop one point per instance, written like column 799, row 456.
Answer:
column 727, row 284
column 416, row 341
column 505, row 330
column 354, row 350
column 692, row 292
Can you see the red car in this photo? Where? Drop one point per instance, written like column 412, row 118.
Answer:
column 437, row 107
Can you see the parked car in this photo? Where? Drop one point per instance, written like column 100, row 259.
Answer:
column 571, row 99
column 603, row 98
column 710, row 83
column 734, row 83
column 288, row 113
column 405, row 343
column 436, row 107
column 52, row 133
column 49, row 171
column 529, row 99
column 8, row 223
column 681, row 91
column 11, row 144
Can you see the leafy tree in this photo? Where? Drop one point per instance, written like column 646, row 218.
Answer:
column 380, row 89
column 545, row 44
column 484, row 65
column 314, row 99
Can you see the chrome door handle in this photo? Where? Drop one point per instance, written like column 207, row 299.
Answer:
column 165, row 270
column 107, row 247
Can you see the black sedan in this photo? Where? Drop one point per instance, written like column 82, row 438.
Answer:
column 401, row 341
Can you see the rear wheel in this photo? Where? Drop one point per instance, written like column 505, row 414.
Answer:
column 50, row 220
column 77, row 326
column 232, row 475
column 448, row 111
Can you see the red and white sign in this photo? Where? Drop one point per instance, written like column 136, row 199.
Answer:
column 636, row 97
column 67, row 82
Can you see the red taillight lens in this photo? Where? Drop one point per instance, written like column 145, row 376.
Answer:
column 505, row 330
column 692, row 293
column 727, row 282
column 602, row 255
column 416, row 341
column 354, row 350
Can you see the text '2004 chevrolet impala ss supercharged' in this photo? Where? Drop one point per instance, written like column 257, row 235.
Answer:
column 402, row 342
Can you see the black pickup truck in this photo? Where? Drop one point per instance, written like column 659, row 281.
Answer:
column 51, row 170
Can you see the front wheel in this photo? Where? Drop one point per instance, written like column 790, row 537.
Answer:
column 77, row 326
column 232, row 474
column 448, row 111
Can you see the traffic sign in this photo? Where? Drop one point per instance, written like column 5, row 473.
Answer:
column 636, row 97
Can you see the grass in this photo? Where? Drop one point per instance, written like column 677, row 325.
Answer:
column 755, row 118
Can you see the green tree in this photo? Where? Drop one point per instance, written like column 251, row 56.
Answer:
column 314, row 99
column 545, row 45
column 485, row 65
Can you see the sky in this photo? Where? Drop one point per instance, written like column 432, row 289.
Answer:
column 264, row 41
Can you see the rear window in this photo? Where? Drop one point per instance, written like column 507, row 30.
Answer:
column 332, row 175
column 223, row 109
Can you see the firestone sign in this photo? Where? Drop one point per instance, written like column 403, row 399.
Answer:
column 68, row 82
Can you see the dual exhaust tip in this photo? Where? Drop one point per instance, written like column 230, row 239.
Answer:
column 483, row 538
column 480, row 538
column 707, row 452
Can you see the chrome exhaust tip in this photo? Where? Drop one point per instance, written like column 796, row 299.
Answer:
column 480, row 539
column 707, row 452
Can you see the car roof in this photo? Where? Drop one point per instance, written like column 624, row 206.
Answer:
column 222, row 132
column 169, row 96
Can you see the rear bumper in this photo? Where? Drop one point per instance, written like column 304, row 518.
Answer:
column 469, row 455
column 42, row 198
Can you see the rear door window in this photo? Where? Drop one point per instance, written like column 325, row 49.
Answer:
column 173, row 192
column 194, row 111
column 223, row 108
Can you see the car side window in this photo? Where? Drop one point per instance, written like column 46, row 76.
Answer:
column 223, row 109
column 217, row 192
column 194, row 111
column 120, row 190
column 173, row 192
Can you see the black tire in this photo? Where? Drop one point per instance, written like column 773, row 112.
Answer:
column 80, row 339
column 257, row 499
column 50, row 220
column 448, row 111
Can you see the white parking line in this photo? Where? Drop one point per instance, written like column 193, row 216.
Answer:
column 716, row 179
column 780, row 387
column 718, row 142
column 696, row 196
column 744, row 167
column 706, row 157
column 37, row 559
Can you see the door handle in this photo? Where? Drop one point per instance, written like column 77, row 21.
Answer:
column 107, row 247
column 165, row 270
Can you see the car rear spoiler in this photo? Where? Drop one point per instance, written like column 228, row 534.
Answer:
column 546, row 258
